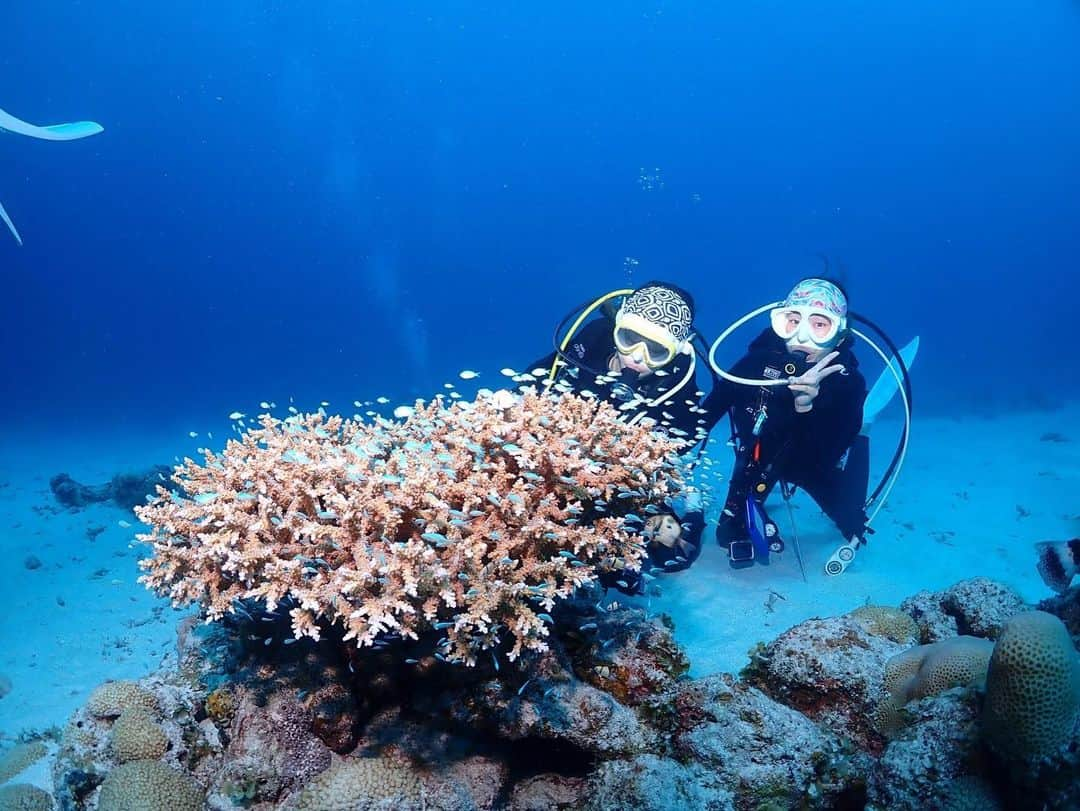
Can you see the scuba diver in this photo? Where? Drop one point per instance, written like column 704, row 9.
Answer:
column 641, row 356
column 795, row 401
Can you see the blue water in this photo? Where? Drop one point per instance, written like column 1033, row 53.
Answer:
column 340, row 200
column 343, row 200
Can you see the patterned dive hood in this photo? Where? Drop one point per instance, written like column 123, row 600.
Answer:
column 661, row 306
column 818, row 295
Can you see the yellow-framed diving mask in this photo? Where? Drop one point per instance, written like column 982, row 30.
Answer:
column 645, row 341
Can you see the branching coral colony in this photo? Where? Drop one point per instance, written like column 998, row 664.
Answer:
column 472, row 518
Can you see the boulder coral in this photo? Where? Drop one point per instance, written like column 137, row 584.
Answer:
column 149, row 785
column 927, row 670
column 1032, row 688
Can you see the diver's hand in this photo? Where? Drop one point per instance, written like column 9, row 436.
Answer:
column 807, row 385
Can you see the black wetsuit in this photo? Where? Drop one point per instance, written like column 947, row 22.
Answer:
column 660, row 558
column 820, row 451
column 593, row 347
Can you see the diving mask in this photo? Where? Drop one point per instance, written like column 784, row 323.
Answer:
column 813, row 314
column 644, row 341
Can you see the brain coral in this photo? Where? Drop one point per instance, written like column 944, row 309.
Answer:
column 931, row 669
column 113, row 697
column 1032, row 688
column 137, row 736
column 969, row 793
column 356, row 784
column 927, row 670
column 149, row 785
column 18, row 757
column 23, row 797
column 886, row 621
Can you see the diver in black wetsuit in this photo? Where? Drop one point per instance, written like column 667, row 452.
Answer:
column 803, row 434
column 641, row 359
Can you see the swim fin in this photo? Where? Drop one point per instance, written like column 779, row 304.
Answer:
column 885, row 388
column 11, row 226
column 51, row 132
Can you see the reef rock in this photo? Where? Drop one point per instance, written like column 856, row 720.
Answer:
column 652, row 783
column 1066, row 607
column 975, row 607
column 125, row 490
column 829, row 669
column 766, row 754
column 939, row 744
column 605, row 718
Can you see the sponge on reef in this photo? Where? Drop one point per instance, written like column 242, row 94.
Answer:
column 1032, row 688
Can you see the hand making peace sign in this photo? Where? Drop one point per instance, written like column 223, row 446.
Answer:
column 807, row 385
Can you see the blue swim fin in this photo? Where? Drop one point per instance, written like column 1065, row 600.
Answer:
column 51, row 132
column 885, row 388
column 11, row 226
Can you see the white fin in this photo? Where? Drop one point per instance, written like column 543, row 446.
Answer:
column 885, row 388
column 4, row 216
column 50, row 132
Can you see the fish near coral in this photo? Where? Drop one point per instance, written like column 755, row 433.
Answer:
column 487, row 557
column 1059, row 561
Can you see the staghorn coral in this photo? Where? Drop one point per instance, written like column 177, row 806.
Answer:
column 469, row 518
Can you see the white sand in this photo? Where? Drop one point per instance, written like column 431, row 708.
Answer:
column 953, row 515
column 962, row 477
column 108, row 626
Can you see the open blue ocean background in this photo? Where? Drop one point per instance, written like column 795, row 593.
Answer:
column 342, row 200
